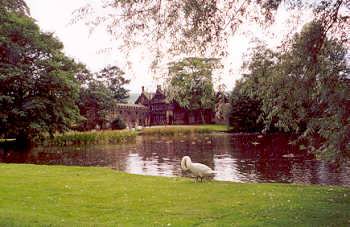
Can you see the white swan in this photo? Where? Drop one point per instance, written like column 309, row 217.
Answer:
column 198, row 169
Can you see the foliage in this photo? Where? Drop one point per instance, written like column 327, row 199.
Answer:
column 190, row 83
column 118, row 123
column 18, row 6
column 38, row 89
column 112, row 77
column 201, row 27
column 305, row 94
column 95, row 103
column 40, row 195
column 91, row 137
column 99, row 94
column 244, row 114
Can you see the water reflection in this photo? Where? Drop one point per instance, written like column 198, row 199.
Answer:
column 239, row 158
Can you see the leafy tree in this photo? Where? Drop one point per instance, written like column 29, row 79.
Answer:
column 305, row 93
column 190, row 83
column 95, row 103
column 18, row 6
column 245, row 112
column 112, row 77
column 38, row 89
column 83, row 75
column 98, row 95
column 202, row 26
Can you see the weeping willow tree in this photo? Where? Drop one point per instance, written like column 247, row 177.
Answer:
column 201, row 27
column 304, row 94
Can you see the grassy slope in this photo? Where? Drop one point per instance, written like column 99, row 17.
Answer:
column 87, row 196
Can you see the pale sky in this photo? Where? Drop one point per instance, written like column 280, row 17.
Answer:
column 54, row 16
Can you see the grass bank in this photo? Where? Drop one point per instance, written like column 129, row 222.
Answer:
column 183, row 129
column 7, row 140
column 86, row 196
column 91, row 137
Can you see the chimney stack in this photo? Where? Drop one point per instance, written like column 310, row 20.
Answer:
column 143, row 89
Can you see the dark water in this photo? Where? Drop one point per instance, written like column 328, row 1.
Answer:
column 239, row 158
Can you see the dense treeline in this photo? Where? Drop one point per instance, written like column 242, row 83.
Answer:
column 38, row 89
column 43, row 91
column 296, row 91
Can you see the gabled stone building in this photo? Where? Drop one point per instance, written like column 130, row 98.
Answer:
column 165, row 112
column 155, row 109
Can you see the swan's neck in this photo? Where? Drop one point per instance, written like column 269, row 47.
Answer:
column 188, row 162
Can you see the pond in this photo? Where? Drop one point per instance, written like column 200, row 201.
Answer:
column 235, row 157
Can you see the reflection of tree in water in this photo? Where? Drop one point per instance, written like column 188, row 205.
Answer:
column 78, row 156
column 237, row 157
column 261, row 157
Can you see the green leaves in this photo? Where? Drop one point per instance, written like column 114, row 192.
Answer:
column 190, row 83
column 304, row 92
column 38, row 91
column 112, row 77
column 95, row 102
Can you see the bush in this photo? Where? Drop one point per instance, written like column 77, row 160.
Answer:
column 118, row 123
column 244, row 114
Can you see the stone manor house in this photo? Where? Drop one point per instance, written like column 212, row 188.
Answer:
column 154, row 109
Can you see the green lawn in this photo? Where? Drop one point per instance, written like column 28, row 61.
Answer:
column 88, row 196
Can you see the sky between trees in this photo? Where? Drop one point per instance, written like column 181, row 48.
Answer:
column 98, row 49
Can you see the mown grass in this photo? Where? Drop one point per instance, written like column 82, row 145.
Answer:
column 183, row 129
column 91, row 137
column 33, row 195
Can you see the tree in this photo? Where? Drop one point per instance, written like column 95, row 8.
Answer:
column 202, row 26
column 95, row 103
column 245, row 112
column 18, row 6
column 303, row 94
column 38, row 89
column 112, row 77
column 190, row 83
column 98, row 94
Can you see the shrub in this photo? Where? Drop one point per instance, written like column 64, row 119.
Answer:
column 244, row 114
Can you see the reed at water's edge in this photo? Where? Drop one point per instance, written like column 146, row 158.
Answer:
column 91, row 137
column 183, row 129
column 124, row 136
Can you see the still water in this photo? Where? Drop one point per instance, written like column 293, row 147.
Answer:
column 238, row 158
